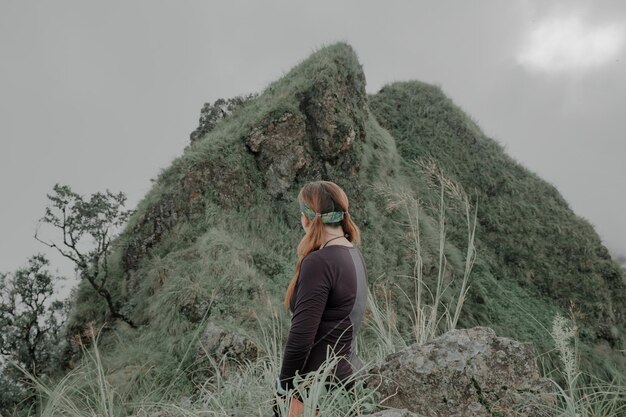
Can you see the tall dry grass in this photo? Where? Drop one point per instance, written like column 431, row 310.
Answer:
column 430, row 316
column 581, row 394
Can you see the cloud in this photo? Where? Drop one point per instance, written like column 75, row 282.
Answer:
column 570, row 45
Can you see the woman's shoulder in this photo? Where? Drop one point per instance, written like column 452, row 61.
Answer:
column 341, row 255
column 318, row 263
column 331, row 256
column 314, row 257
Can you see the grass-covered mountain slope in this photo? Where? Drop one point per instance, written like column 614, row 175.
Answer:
column 528, row 236
column 215, row 237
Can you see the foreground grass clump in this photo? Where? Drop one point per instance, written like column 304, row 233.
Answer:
column 580, row 394
column 248, row 388
column 234, row 388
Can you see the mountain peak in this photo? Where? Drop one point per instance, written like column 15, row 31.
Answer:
column 317, row 136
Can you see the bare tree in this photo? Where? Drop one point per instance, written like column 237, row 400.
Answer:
column 96, row 218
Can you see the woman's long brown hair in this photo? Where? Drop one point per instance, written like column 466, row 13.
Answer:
column 321, row 197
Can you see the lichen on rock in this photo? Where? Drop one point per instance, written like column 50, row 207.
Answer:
column 465, row 372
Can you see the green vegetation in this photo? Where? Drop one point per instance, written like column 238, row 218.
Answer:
column 30, row 328
column 247, row 388
column 536, row 257
column 233, row 389
column 209, row 243
column 581, row 394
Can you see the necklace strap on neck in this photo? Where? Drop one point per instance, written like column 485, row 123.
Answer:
column 336, row 237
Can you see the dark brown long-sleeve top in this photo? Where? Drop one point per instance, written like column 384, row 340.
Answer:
column 328, row 306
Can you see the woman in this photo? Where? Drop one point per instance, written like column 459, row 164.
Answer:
column 328, row 292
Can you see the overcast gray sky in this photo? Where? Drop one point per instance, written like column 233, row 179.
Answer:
column 103, row 95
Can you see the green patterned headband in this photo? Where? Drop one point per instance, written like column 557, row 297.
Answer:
column 330, row 217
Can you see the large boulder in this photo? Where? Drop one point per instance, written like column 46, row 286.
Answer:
column 465, row 372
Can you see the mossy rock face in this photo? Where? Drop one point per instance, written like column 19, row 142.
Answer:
column 279, row 148
column 321, row 140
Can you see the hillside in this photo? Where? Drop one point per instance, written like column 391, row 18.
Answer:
column 215, row 237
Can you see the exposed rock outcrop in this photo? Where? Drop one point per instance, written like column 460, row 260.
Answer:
column 184, row 202
column 468, row 372
column 279, row 146
column 321, row 135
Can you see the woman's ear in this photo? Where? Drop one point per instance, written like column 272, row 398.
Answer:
column 304, row 220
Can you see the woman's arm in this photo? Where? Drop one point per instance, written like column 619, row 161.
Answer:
column 312, row 292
